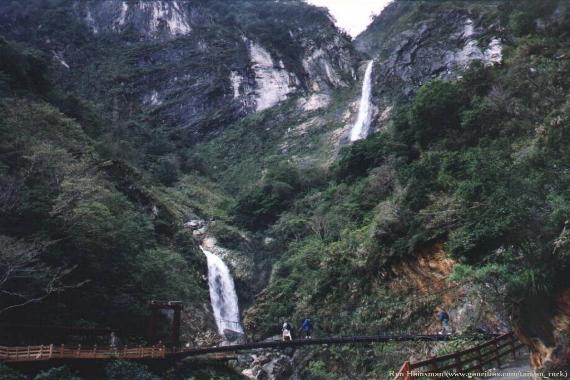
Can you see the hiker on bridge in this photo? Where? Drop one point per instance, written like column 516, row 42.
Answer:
column 286, row 329
column 113, row 341
column 307, row 327
column 443, row 316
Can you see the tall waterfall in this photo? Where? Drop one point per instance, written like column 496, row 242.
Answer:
column 360, row 128
column 222, row 294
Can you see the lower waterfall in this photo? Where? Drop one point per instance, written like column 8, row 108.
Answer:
column 223, row 296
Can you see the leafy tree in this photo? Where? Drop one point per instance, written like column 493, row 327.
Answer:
column 522, row 23
column 355, row 161
column 58, row 373
column 262, row 206
column 7, row 373
column 24, row 278
column 23, row 70
column 166, row 170
column 436, row 110
column 120, row 370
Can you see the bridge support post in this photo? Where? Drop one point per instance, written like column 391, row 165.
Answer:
column 497, row 353
column 457, row 362
column 151, row 328
column 479, row 360
column 513, row 346
column 176, row 326
column 155, row 308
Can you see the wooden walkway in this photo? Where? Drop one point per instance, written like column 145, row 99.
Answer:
column 311, row 342
column 51, row 352
column 62, row 352
column 472, row 360
column 475, row 358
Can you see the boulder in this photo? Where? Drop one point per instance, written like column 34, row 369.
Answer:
column 195, row 224
column 279, row 368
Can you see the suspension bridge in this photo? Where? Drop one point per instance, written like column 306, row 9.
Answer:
column 475, row 360
column 69, row 353
column 493, row 348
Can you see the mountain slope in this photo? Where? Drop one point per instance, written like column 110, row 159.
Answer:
column 99, row 216
column 468, row 170
column 186, row 67
column 235, row 115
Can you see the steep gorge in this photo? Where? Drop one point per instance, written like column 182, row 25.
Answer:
column 239, row 114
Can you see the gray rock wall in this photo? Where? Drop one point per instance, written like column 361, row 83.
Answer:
column 189, row 67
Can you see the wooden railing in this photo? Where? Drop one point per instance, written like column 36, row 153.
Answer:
column 47, row 352
column 404, row 372
column 35, row 353
column 474, row 359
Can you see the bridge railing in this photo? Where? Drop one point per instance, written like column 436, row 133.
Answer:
column 35, row 353
column 404, row 372
column 473, row 359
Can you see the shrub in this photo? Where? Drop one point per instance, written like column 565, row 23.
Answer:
column 436, row 110
column 59, row 373
column 521, row 23
column 7, row 373
column 227, row 236
column 166, row 170
column 356, row 160
column 121, row 370
column 262, row 206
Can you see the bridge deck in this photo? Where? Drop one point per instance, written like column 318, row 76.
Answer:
column 52, row 352
column 310, row 342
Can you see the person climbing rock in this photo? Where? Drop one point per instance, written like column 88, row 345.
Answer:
column 307, row 328
column 443, row 317
column 286, row 329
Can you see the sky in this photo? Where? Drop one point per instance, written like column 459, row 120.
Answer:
column 352, row 15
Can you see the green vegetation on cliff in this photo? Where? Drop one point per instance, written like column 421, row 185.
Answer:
column 479, row 163
column 108, row 225
column 477, row 167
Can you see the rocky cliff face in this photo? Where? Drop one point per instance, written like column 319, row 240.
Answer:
column 186, row 66
column 543, row 324
column 412, row 45
column 148, row 19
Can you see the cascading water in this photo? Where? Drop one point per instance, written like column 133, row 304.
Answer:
column 222, row 295
column 360, row 128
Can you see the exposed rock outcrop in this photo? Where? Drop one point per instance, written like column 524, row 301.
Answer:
column 273, row 83
column 426, row 276
column 543, row 324
column 414, row 52
column 185, row 66
column 269, row 365
column 150, row 19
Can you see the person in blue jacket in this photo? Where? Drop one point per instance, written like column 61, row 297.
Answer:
column 443, row 316
column 307, row 328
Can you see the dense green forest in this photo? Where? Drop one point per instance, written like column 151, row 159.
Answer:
column 478, row 163
column 102, row 226
column 87, row 239
column 92, row 209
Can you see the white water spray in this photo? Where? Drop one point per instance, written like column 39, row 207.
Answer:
column 360, row 128
column 222, row 294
